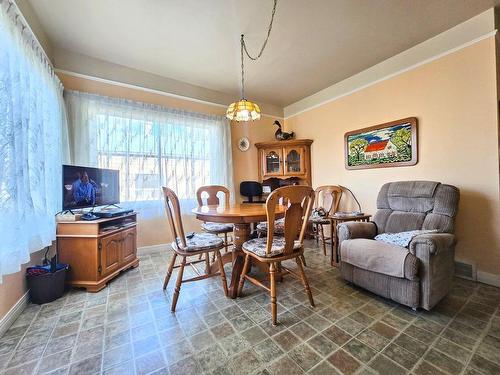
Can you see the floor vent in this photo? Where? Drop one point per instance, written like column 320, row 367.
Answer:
column 465, row 270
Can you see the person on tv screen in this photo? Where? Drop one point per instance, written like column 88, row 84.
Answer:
column 84, row 190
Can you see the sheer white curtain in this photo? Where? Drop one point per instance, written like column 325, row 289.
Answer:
column 31, row 144
column 151, row 146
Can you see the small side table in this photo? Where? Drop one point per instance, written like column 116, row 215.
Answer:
column 336, row 220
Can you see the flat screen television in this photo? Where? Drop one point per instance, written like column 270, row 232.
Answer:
column 89, row 187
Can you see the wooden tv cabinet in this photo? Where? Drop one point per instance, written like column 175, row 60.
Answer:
column 97, row 250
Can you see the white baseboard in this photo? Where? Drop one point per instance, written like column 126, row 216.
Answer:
column 147, row 250
column 488, row 278
column 13, row 313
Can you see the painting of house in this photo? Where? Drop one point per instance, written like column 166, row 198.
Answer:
column 385, row 145
column 380, row 149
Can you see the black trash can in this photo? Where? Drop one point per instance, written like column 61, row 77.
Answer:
column 46, row 286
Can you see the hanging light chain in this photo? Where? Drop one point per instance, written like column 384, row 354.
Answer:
column 267, row 37
column 244, row 49
column 242, row 69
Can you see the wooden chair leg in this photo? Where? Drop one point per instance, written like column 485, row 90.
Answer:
column 178, row 283
column 225, row 242
column 243, row 273
column 207, row 263
column 323, row 238
column 222, row 273
column 169, row 271
column 213, row 255
column 332, row 238
column 280, row 271
column 316, row 232
column 303, row 258
column 304, row 280
column 274, row 307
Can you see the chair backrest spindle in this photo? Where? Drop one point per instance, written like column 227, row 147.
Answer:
column 172, row 207
column 212, row 191
column 328, row 197
column 300, row 200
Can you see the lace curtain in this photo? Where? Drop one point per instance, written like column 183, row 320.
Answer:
column 151, row 146
column 32, row 124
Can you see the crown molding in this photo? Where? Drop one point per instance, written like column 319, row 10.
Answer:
column 145, row 89
column 461, row 36
column 135, row 87
column 83, row 66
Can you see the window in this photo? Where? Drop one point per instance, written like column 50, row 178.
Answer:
column 151, row 146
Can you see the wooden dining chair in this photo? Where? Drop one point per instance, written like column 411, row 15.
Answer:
column 212, row 199
column 327, row 200
column 279, row 227
column 273, row 249
column 195, row 244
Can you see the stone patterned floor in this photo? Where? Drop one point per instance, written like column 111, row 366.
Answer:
column 128, row 329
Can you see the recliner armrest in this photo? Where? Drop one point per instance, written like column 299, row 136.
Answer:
column 356, row 229
column 435, row 242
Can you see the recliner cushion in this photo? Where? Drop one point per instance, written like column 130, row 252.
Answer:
column 399, row 221
column 414, row 205
column 381, row 257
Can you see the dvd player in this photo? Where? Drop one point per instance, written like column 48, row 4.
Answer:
column 112, row 213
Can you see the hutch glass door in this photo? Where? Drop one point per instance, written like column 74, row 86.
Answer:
column 272, row 162
column 294, row 161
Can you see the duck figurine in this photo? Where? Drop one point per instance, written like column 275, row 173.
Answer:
column 281, row 135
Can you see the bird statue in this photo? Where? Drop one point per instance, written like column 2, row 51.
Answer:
column 281, row 135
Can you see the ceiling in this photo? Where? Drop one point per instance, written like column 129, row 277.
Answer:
column 314, row 43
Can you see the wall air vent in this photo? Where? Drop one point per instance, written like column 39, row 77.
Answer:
column 465, row 270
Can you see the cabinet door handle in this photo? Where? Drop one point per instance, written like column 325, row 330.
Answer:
column 99, row 248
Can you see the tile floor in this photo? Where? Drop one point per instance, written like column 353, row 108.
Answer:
column 128, row 329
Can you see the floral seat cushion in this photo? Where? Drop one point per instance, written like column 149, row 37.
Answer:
column 217, row 227
column 258, row 246
column 279, row 226
column 319, row 220
column 319, row 216
column 200, row 241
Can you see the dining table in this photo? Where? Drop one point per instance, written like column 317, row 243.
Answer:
column 241, row 215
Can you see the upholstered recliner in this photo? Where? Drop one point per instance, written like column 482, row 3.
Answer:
column 418, row 275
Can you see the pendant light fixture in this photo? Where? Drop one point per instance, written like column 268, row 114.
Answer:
column 246, row 110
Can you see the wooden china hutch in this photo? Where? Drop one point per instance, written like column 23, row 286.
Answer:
column 285, row 162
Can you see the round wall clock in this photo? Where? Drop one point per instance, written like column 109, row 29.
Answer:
column 243, row 144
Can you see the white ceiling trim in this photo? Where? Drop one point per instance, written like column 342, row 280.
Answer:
column 461, row 36
column 152, row 91
column 31, row 21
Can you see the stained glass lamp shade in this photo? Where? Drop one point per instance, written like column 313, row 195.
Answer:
column 243, row 110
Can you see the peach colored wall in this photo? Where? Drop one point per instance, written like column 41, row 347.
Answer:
column 13, row 286
column 245, row 163
column 155, row 231
column 455, row 101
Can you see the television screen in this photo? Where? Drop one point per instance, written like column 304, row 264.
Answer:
column 88, row 187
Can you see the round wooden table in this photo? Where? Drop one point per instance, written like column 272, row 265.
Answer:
column 241, row 215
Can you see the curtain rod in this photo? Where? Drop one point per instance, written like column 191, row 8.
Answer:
column 19, row 17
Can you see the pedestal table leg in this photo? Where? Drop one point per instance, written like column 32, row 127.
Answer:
column 241, row 234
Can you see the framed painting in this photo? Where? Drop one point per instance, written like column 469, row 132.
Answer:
column 393, row 144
